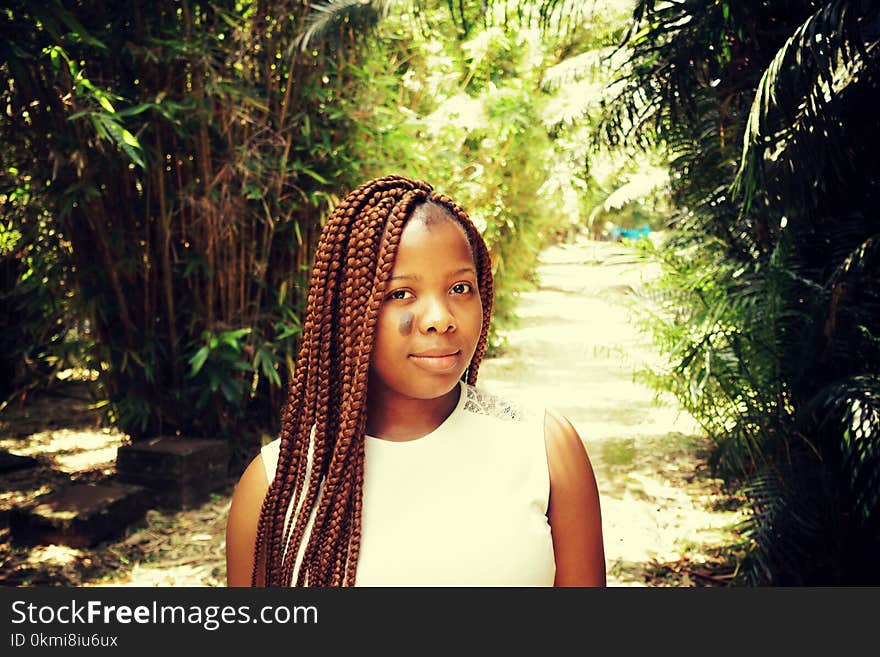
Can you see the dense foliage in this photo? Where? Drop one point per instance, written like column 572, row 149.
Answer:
column 770, row 305
column 167, row 167
column 186, row 153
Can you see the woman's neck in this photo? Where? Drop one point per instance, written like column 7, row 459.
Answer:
column 391, row 416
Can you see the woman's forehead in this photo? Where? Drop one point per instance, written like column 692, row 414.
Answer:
column 437, row 245
column 430, row 213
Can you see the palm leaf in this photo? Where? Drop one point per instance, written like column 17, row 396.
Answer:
column 794, row 115
column 325, row 21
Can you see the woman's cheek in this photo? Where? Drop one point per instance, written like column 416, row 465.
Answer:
column 405, row 323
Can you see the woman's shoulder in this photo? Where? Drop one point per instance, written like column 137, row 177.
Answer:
column 563, row 440
column 241, row 522
column 574, row 510
column 503, row 405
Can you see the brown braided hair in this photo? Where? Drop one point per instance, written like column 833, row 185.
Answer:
column 324, row 421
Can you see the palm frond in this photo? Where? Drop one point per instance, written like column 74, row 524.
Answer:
column 770, row 312
column 851, row 409
column 327, row 19
column 796, row 111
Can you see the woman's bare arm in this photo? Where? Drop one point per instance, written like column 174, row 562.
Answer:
column 241, row 525
column 574, row 510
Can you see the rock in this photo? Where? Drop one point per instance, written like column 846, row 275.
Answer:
column 10, row 462
column 180, row 473
column 78, row 515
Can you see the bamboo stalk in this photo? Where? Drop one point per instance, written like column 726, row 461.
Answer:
column 147, row 252
column 282, row 115
column 97, row 212
column 208, row 220
column 168, row 283
column 243, row 277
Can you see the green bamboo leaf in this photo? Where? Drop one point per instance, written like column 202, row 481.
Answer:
column 123, row 139
column 267, row 365
column 309, row 172
column 198, row 360
column 54, row 57
column 136, row 358
column 104, row 102
column 130, row 139
column 195, row 262
column 232, row 337
column 98, row 124
column 286, row 331
column 231, row 390
column 135, row 110
column 134, row 155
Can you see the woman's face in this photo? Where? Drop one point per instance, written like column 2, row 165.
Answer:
column 431, row 316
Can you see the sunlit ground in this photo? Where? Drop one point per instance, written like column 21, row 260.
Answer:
column 60, row 452
column 175, row 549
column 70, row 450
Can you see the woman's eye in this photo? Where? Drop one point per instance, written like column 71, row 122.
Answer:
column 462, row 288
column 399, row 294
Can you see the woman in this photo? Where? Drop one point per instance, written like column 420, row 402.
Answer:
column 392, row 468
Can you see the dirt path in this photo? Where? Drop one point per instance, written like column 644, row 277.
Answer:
column 575, row 350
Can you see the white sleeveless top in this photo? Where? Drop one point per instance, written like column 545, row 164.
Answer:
column 464, row 505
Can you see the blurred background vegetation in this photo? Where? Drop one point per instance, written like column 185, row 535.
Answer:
column 166, row 167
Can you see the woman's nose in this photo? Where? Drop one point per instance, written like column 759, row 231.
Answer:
column 437, row 316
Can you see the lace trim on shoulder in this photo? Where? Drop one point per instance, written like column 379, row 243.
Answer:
column 484, row 403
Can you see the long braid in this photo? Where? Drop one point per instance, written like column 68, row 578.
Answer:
column 325, row 417
column 317, row 391
column 296, row 429
column 384, row 266
column 354, row 376
column 326, row 424
column 329, row 535
column 331, row 388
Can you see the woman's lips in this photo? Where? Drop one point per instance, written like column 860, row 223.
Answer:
column 437, row 363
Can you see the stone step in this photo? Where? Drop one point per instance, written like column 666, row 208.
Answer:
column 180, row 473
column 79, row 515
column 10, row 462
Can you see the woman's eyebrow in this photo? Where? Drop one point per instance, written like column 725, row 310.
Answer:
column 416, row 277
